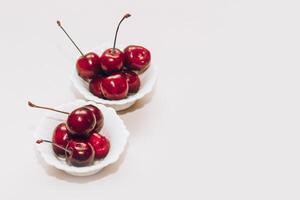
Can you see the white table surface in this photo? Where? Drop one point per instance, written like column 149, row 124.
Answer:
column 223, row 122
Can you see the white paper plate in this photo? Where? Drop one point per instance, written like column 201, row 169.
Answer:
column 148, row 79
column 114, row 129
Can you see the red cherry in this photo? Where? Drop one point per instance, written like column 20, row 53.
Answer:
column 114, row 87
column 60, row 137
column 80, row 153
column 81, row 122
column 88, row 66
column 99, row 117
column 112, row 61
column 133, row 81
column 137, row 57
column 100, row 144
column 94, row 87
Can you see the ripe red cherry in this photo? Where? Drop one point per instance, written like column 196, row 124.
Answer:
column 80, row 153
column 133, row 81
column 81, row 122
column 100, row 144
column 114, row 87
column 137, row 57
column 88, row 66
column 112, row 59
column 99, row 117
column 61, row 137
column 94, row 87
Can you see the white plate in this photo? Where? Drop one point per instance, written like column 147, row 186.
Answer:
column 114, row 129
column 148, row 79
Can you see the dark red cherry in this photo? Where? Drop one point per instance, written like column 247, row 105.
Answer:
column 100, row 144
column 94, row 87
column 114, row 87
column 133, row 80
column 80, row 153
column 81, row 122
column 88, row 66
column 112, row 61
column 61, row 137
column 137, row 57
column 99, row 117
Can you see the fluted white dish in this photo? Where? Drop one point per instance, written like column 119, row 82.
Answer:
column 114, row 129
column 148, row 79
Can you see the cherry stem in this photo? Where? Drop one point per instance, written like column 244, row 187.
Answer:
column 116, row 34
column 46, row 108
column 41, row 141
column 62, row 28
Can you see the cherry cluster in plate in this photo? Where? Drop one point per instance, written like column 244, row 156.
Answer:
column 113, row 75
column 117, row 77
column 78, row 139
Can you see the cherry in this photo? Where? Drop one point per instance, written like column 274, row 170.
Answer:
column 133, row 81
column 100, row 144
column 112, row 59
column 114, row 87
column 60, row 137
column 78, row 153
column 99, row 117
column 81, row 122
column 94, row 87
column 88, row 65
column 137, row 57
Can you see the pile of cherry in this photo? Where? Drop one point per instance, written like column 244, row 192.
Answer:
column 78, row 139
column 113, row 75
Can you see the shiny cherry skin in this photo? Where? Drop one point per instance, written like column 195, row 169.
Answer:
column 80, row 153
column 115, row 87
column 99, row 117
column 137, row 57
column 88, row 66
column 60, row 137
column 133, row 80
column 112, row 61
column 94, row 87
column 100, row 144
column 81, row 122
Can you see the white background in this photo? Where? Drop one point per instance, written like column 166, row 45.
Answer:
column 222, row 123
